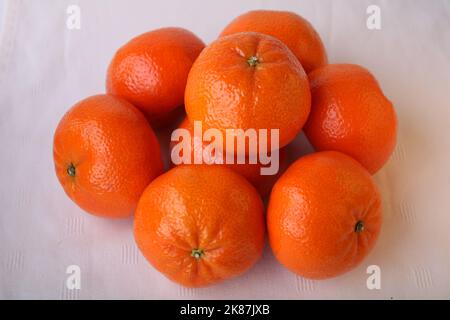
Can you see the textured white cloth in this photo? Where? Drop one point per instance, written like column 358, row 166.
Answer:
column 45, row 68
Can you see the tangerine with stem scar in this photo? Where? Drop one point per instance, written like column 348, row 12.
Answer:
column 200, row 224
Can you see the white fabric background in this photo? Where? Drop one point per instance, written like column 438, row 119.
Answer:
column 45, row 68
column 1, row 12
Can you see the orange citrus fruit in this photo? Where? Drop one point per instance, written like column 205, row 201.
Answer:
column 105, row 155
column 350, row 114
column 296, row 32
column 249, row 81
column 324, row 215
column 252, row 172
column 151, row 71
column 200, row 224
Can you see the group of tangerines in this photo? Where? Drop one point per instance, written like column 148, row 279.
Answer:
column 201, row 224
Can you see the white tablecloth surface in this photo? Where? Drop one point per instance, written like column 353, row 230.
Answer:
column 1, row 12
column 45, row 68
